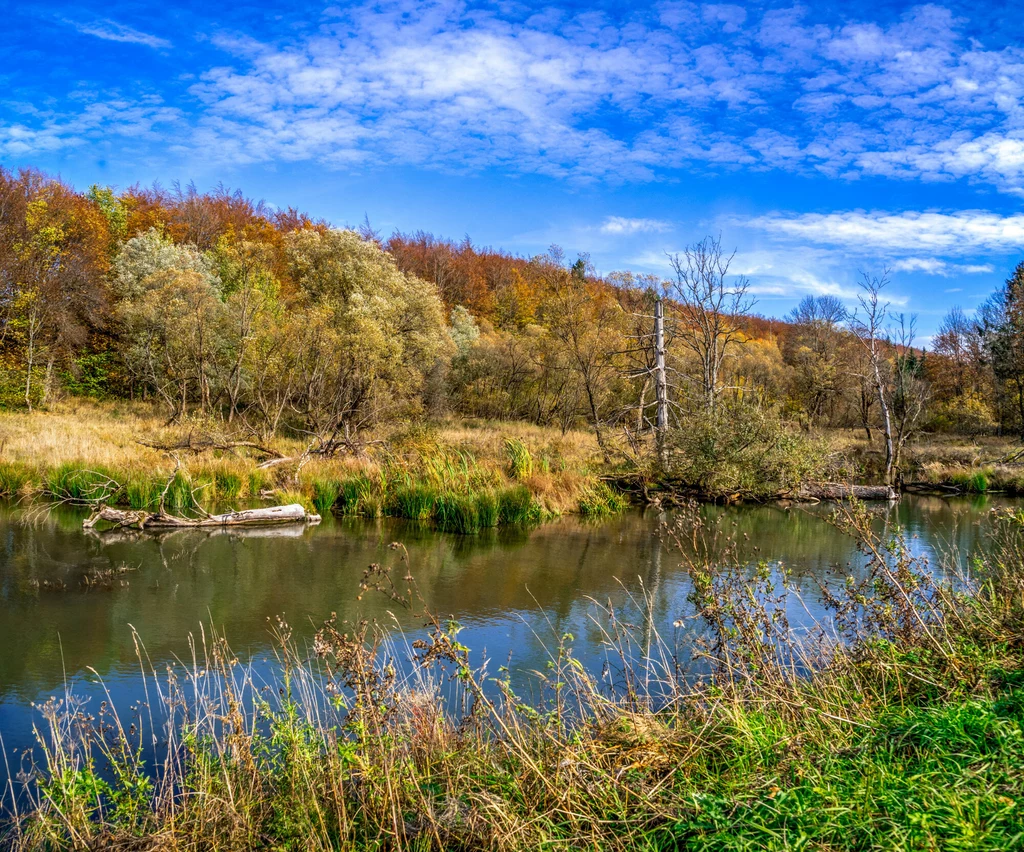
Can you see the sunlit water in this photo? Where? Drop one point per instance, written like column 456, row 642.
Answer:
column 514, row 592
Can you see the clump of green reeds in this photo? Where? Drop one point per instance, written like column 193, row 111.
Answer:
column 520, row 461
column 229, row 484
column 973, row 481
column 259, row 481
column 457, row 513
column 79, row 484
column 142, row 490
column 411, row 501
column 13, row 478
column 599, row 500
column 517, row 507
column 325, row 494
column 487, row 509
column 350, row 493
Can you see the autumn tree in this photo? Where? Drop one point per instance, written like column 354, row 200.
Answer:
column 587, row 324
column 814, row 349
column 171, row 316
column 372, row 332
column 54, row 259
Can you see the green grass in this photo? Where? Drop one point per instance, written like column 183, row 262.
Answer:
column 487, row 510
column 351, row 494
column 325, row 494
column 414, row 502
column 77, row 484
column 975, row 482
column 229, row 484
column 142, row 491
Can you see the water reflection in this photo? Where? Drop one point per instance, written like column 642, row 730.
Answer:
column 516, row 592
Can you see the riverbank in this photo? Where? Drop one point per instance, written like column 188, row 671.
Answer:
column 909, row 736
column 463, row 477
column 952, row 464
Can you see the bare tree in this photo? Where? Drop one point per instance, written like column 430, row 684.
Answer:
column 869, row 326
column 959, row 340
column 894, row 367
column 709, row 308
column 909, row 391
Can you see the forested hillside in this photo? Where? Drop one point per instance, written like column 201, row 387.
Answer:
column 281, row 324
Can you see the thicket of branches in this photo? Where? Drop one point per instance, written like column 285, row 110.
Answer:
column 277, row 322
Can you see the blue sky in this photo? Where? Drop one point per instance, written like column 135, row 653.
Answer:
column 819, row 140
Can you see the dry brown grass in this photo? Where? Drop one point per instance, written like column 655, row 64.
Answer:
column 113, row 436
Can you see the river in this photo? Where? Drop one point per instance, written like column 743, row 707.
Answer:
column 515, row 592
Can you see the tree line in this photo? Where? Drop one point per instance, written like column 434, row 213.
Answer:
column 211, row 302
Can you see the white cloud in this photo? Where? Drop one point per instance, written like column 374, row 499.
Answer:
column 937, row 266
column 457, row 87
column 622, row 226
column 113, row 31
column 962, row 233
column 139, row 120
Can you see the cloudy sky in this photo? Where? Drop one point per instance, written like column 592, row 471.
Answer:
column 819, row 140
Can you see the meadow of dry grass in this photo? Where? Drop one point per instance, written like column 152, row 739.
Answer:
column 72, row 449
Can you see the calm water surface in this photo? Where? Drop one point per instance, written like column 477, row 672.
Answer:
column 515, row 592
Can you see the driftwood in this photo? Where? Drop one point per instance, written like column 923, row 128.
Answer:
column 204, row 443
column 293, row 513
column 839, row 491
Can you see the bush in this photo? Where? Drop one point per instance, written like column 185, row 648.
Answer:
column 743, row 448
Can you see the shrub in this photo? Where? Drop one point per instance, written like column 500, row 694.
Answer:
column 742, row 447
column 966, row 414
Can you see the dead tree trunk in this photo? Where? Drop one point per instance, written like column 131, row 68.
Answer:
column 293, row 513
column 661, row 385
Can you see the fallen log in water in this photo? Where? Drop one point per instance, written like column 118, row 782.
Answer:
column 140, row 519
column 840, row 491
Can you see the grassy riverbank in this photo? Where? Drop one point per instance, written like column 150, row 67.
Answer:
column 463, row 477
column 954, row 463
column 908, row 735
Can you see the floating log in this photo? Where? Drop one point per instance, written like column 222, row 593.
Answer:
column 839, row 491
column 293, row 513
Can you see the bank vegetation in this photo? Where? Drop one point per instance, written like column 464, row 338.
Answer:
column 234, row 329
